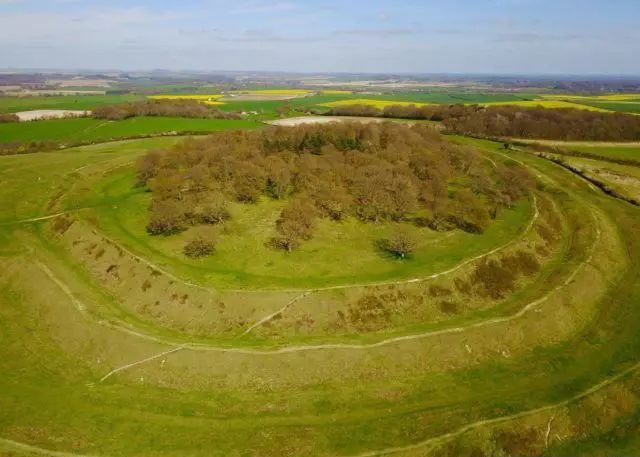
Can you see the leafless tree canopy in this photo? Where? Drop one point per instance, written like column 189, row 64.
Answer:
column 374, row 172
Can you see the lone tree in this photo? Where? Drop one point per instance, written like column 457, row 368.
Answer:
column 201, row 245
column 402, row 243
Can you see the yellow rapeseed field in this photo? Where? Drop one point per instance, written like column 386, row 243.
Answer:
column 546, row 104
column 367, row 101
column 209, row 99
column 274, row 91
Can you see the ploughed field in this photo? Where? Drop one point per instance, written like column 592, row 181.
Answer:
column 514, row 335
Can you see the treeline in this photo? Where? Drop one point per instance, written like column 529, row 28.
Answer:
column 513, row 121
column 29, row 147
column 8, row 117
column 164, row 108
column 385, row 172
column 413, row 112
column 551, row 124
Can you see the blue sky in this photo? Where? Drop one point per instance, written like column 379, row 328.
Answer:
column 425, row 36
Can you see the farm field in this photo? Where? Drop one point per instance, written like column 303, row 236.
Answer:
column 65, row 102
column 552, row 104
column 89, row 129
column 608, row 150
column 622, row 179
column 371, row 102
column 243, row 347
column 209, row 99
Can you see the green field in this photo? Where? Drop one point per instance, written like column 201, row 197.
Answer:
column 623, row 107
column 71, row 102
column 612, row 152
column 89, row 129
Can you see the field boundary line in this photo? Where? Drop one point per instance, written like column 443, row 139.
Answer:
column 339, row 346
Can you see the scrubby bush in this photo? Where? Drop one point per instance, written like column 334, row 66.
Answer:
column 167, row 217
column 521, row 262
column 201, row 245
column 8, row 117
column 493, row 279
column 401, row 244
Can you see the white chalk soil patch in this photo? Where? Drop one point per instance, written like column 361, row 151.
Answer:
column 49, row 114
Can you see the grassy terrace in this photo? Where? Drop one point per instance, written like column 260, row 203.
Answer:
column 90, row 368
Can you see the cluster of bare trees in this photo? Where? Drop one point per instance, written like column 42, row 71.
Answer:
column 165, row 108
column 552, row 124
column 8, row 117
column 513, row 121
column 374, row 172
column 423, row 112
column 28, row 147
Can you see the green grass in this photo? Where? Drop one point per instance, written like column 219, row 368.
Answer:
column 71, row 102
column 51, row 359
column 626, row 107
column 612, row 152
column 89, row 129
column 30, row 180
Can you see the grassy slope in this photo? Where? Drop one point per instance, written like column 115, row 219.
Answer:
column 88, row 129
column 46, row 392
column 47, row 401
column 30, row 180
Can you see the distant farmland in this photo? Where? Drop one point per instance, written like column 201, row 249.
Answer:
column 88, row 129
